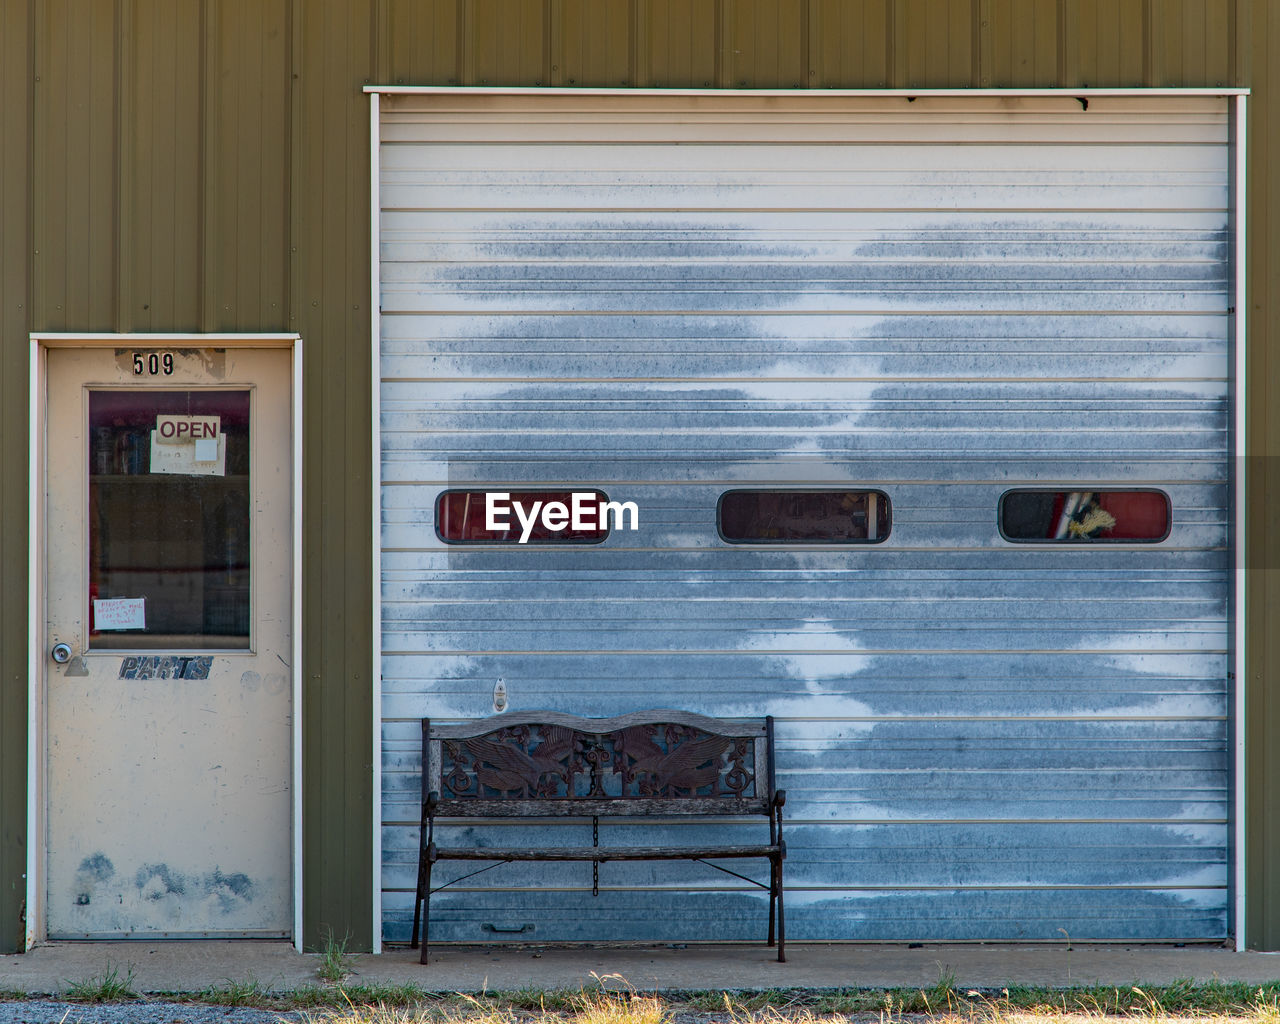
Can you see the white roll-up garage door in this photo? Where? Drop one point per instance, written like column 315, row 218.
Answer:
column 667, row 298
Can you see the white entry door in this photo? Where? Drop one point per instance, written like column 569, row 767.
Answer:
column 168, row 684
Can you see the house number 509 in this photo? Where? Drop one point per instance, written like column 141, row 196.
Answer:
column 152, row 363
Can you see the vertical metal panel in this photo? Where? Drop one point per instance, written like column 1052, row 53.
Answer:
column 329, row 226
column 161, row 170
column 1103, row 42
column 15, row 279
column 420, row 42
column 682, row 43
column 1190, row 41
column 505, row 43
column 851, row 44
column 667, row 321
column 934, row 44
column 593, row 40
column 77, row 149
column 1023, row 44
column 246, row 165
column 766, row 44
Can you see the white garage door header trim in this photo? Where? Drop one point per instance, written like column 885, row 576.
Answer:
column 520, row 90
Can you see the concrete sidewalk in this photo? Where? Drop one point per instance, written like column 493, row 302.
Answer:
column 189, row 966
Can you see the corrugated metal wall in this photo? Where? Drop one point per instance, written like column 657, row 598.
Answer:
column 259, row 100
column 201, row 167
column 15, row 283
column 943, row 299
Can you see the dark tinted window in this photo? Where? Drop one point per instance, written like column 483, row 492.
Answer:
column 1081, row 516
column 463, row 517
column 804, row 517
column 169, row 519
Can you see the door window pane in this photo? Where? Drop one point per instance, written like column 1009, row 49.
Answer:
column 169, row 519
column 804, row 517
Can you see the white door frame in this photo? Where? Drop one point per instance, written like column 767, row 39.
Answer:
column 36, row 912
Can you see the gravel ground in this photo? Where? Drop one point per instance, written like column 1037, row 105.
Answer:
column 47, row 1011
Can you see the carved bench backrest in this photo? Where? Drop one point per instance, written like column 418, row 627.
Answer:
column 550, row 763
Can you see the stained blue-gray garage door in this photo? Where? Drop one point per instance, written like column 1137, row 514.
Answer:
column 669, row 297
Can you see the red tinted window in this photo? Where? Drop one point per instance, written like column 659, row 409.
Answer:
column 804, row 517
column 523, row 517
column 1075, row 516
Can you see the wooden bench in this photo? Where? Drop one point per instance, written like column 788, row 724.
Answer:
column 545, row 764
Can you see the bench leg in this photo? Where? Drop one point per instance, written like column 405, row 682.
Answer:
column 426, row 911
column 417, row 899
column 782, row 921
column 773, row 895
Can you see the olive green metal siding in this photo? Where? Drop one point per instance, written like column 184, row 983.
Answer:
column 1261, row 28
column 15, row 242
column 203, row 165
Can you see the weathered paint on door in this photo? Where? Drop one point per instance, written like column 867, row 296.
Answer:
column 168, row 757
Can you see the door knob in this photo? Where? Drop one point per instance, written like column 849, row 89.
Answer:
column 61, row 653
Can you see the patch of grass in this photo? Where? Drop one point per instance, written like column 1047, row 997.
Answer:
column 845, row 1001
column 378, row 1014
column 109, row 986
column 621, row 1004
column 335, row 964
column 325, row 996
column 939, row 998
column 1179, row 999
column 237, row 993
column 429, row 1009
column 1265, row 1007
column 554, row 1000
column 746, row 1002
column 610, row 1000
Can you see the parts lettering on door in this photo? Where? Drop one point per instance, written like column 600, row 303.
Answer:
column 175, row 666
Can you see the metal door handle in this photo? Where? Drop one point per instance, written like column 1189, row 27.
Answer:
column 61, row 653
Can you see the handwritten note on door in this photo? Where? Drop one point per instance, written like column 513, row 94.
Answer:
column 120, row 613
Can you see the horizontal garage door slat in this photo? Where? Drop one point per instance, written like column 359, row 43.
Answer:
column 669, row 297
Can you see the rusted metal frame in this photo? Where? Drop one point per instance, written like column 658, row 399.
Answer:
column 425, row 842
column 425, row 892
column 777, row 801
column 758, row 885
column 603, row 854
column 737, row 728
column 583, row 807
column 777, row 798
column 704, row 767
column 463, row 878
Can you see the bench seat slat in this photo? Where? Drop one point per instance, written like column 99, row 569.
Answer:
column 579, row 807
column 604, row 853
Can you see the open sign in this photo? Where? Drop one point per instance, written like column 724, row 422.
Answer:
column 185, row 429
